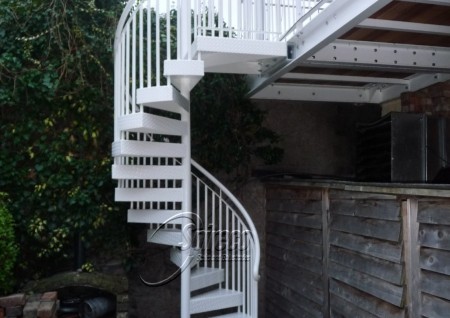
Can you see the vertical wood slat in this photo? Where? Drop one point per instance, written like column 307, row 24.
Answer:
column 412, row 257
column 326, row 251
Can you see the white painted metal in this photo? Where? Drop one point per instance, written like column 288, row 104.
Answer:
column 401, row 26
column 234, row 315
column 203, row 277
column 152, row 152
column 325, row 93
column 215, row 300
column 184, row 74
column 369, row 93
column 171, row 237
column 162, row 97
column 228, row 238
column 147, row 123
column 383, row 56
column 324, row 28
column 343, row 78
column 147, row 172
column 176, row 256
column 435, row 2
column 232, row 53
column 133, row 148
column 134, row 194
column 146, row 216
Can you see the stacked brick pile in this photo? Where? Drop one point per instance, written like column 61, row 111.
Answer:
column 433, row 100
column 34, row 306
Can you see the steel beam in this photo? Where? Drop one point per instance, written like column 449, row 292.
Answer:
column 324, row 93
column 385, row 56
column 343, row 78
column 400, row 26
column 435, row 2
column 339, row 17
column 349, row 94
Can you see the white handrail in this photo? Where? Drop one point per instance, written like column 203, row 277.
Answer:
column 243, row 212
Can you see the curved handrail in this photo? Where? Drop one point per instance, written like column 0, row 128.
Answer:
column 123, row 18
column 243, row 211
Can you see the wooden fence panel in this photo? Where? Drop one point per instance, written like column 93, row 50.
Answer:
column 366, row 255
column 336, row 253
column 434, row 240
column 294, row 253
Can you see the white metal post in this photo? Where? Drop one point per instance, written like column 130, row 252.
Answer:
column 260, row 9
column 185, row 51
column 185, row 29
column 186, row 224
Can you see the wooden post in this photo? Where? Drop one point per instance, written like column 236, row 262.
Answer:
column 411, row 250
column 325, row 251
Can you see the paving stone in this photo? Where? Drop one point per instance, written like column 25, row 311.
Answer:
column 49, row 296
column 13, row 300
column 15, row 311
column 31, row 308
column 46, row 309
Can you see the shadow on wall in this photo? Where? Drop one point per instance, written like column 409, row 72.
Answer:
column 319, row 139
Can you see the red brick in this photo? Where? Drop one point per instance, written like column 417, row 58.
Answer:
column 13, row 300
column 47, row 309
column 50, row 296
column 440, row 90
column 2, row 313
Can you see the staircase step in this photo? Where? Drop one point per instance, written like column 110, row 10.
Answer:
column 133, row 148
column 149, row 195
column 234, row 315
column 184, row 74
column 155, row 216
column 175, row 256
column 148, row 123
column 203, row 277
column 139, row 172
column 171, row 237
column 216, row 300
column 162, row 97
column 230, row 55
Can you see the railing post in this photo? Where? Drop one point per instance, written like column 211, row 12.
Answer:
column 185, row 29
column 260, row 10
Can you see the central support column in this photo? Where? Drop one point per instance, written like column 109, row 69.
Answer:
column 187, row 222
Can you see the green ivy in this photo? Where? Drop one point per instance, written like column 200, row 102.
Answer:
column 56, row 124
column 56, row 115
column 8, row 247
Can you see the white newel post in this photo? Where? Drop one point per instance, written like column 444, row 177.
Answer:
column 185, row 50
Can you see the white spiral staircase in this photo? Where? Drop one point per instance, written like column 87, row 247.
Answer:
column 162, row 49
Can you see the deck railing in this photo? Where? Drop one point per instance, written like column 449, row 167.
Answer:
column 256, row 20
column 226, row 238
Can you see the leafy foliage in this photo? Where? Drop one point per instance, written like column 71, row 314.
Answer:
column 56, row 113
column 8, row 247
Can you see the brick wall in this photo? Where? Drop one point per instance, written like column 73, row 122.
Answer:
column 433, row 100
column 34, row 306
